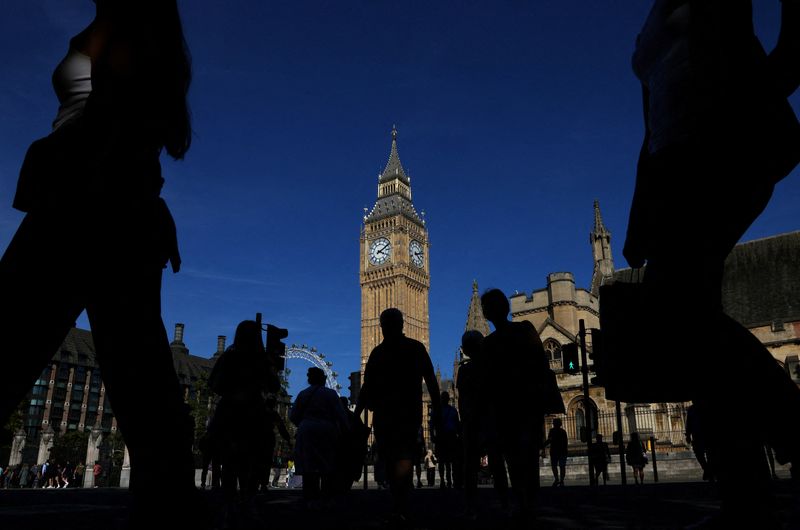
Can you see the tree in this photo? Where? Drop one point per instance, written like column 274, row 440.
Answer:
column 70, row 446
column 200, row 407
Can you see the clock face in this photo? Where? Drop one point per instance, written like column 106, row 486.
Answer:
column 380, row 251
column 415, row 253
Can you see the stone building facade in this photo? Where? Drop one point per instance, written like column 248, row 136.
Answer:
column 760, row 290
column 70, row 395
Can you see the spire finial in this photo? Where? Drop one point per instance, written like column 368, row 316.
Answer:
column 394, row 169
column 599, row 227
column 475, row 286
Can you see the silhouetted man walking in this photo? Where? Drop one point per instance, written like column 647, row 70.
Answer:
column 392, row 389
column 515, row 366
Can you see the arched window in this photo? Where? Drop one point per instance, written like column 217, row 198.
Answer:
column 553, row 350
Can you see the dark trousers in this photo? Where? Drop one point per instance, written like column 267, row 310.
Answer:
column 63, row 262
column 431, row 471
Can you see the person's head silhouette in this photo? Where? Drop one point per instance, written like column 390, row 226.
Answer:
column 392, row 323
column 316, row 376
column 445, row 397
column 495, row 306
column 248, row 337
column 471, row 343
column 557, row 423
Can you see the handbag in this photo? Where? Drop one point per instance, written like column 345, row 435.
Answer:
column 55, row 168
column 638, row 356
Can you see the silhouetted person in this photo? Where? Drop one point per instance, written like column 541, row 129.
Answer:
column 719, row 134
column 515, row 361
column 96, row 234
column 600, row 458
column 636, row 455
column 559, row 443
column 430, row 467
column 392, row 389
column 447, row 441
column 350, row 452
column 210, row 457
column 696, row 417
column 320, row 417
column 274, row 421
column 242, row 376
column 470, row 408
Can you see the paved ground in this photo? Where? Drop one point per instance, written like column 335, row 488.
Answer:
column 672, row 505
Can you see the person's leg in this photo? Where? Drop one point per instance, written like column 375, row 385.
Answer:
column 41, row 299
column 311, row 486
column 497, row 468
column 442, row 481
column 136, row 362
column 400, row 474
column 562, row 469
column 554, row 468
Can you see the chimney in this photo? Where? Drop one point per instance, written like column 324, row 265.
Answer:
column 178, row 334
column 220, row 343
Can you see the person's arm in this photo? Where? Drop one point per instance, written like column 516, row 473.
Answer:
column 296, row 414
column 635, row 250
column 429, row 376
column 784, row 60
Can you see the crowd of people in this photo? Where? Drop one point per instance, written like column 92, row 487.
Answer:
column 49, row 475
column 719, row 134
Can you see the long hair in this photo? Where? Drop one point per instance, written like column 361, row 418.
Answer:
column 154, row 29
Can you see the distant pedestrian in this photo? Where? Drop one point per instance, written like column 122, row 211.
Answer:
column 420, row 457
column 559, row 444
column 97, row 473
column 447, row 441
column 600, row 458
column 430, row 468
column 636, row 455
column 80, row 469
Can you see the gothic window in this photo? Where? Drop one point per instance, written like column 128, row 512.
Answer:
column 553, row 350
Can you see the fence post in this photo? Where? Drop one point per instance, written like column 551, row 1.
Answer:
column 366, row 466
column 591, row 414
column 655, row 464
column 618, row 408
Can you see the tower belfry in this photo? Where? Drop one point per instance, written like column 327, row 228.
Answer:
column 394, row 264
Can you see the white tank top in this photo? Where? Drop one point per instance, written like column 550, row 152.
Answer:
column 72, row 81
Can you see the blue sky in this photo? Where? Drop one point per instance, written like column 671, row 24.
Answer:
column 513, row 116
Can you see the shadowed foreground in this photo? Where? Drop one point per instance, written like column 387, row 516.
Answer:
column 673, row 505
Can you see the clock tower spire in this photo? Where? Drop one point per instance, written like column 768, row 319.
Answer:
column 394, row 265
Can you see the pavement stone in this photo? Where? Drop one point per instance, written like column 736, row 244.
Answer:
column 663, row 505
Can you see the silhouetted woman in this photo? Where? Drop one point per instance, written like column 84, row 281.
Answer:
column 320, row 418
column 719, row 134
column 97, row 236
column 636, row 456
column 241, row 426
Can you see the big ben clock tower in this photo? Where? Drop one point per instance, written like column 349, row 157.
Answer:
column 394, row 266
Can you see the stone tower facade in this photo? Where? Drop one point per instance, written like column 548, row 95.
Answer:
column 394, row 262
